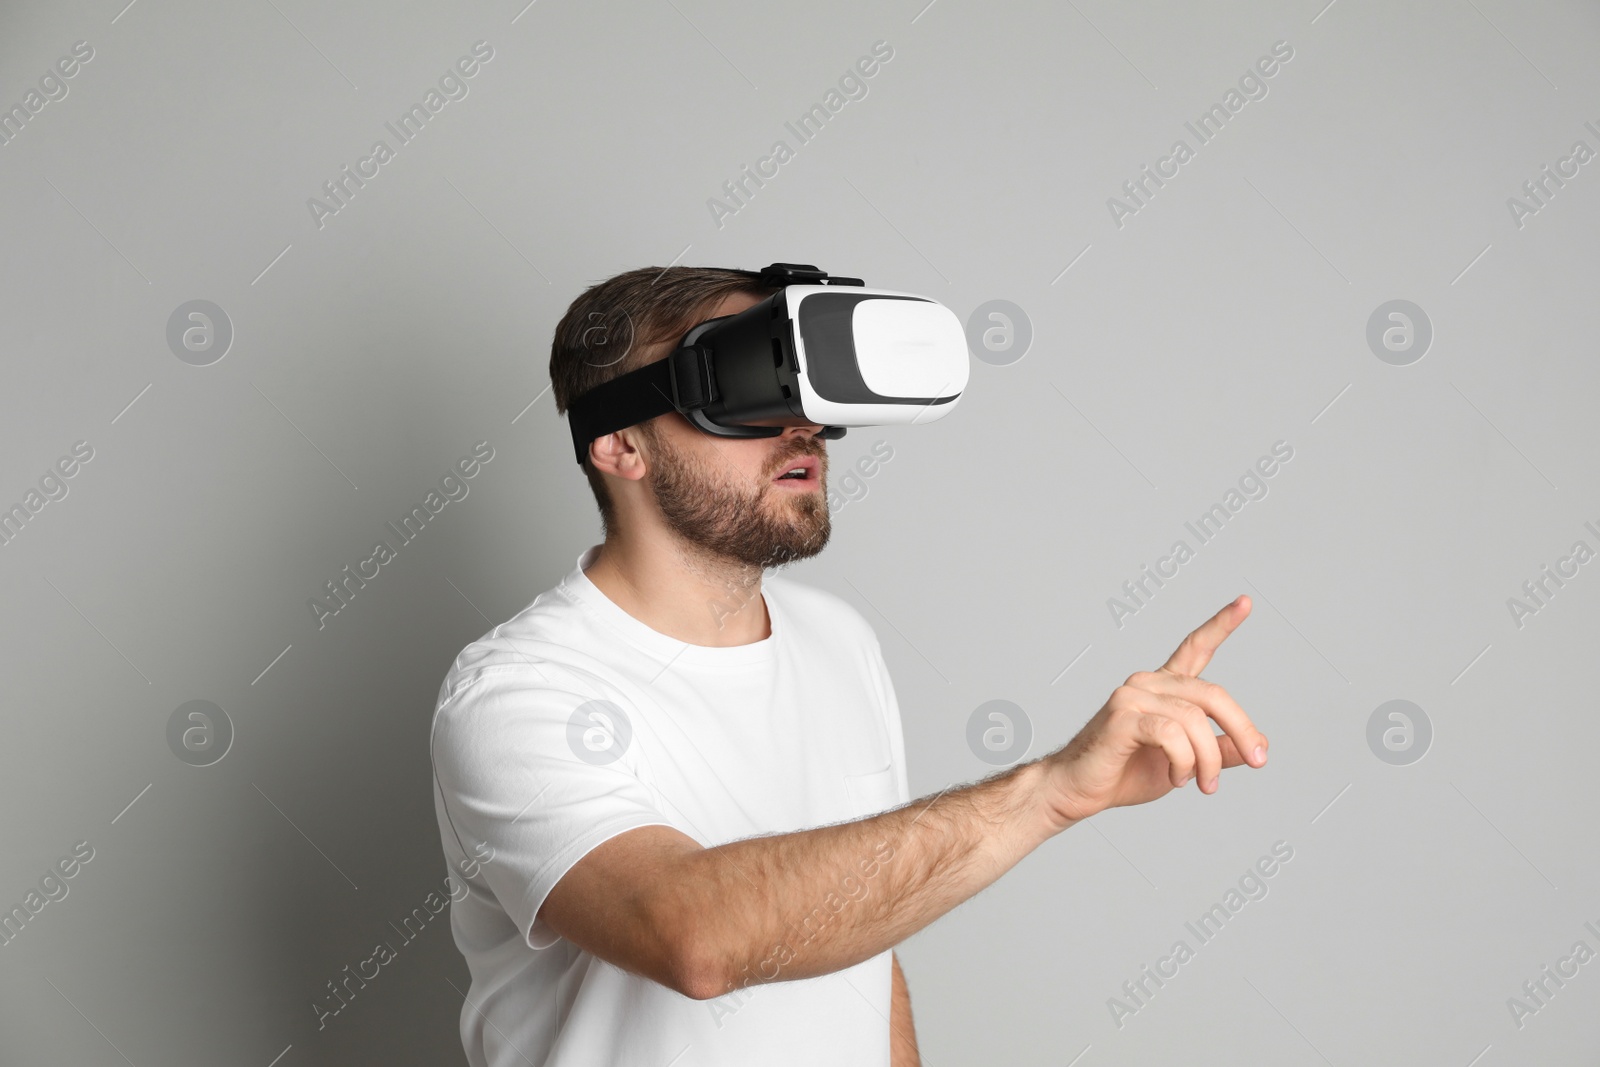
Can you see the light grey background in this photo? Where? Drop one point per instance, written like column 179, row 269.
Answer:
column 1228, row 314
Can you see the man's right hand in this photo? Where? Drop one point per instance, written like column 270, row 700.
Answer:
column 1154, row 734
column 704, row 921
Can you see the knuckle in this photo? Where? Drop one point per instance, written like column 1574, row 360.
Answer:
column 1187, row 710
column 1141, row 679
column 1125, row 719
column 1167, row 728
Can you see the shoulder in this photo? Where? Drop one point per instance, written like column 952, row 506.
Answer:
column 533, row 649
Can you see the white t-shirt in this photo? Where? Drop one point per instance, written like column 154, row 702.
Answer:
column 573, row 722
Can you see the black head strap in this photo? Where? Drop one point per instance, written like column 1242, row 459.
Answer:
column 681, row 382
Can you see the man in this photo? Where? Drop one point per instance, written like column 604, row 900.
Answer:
column 676, row 792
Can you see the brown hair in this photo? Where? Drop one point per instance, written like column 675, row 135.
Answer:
column 626, row 322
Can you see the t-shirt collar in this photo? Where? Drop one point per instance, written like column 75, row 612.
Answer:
column 657, row 644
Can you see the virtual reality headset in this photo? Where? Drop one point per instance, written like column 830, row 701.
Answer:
column 821, row 350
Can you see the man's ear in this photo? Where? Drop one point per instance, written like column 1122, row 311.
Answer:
column 618, row 453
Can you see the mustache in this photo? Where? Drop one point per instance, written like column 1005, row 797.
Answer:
column 810, row 447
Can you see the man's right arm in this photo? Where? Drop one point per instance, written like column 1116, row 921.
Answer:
column 706, row 921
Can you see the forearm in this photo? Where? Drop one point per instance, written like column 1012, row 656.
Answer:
column 816, row 901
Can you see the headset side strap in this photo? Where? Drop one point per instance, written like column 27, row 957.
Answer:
column 681, row 381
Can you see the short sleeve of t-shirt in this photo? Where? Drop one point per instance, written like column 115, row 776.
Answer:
column 517, row 773
column 891, row 714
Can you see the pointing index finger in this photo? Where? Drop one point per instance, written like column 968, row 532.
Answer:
column 1196, row 650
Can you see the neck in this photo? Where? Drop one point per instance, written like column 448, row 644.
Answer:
column 678, row 590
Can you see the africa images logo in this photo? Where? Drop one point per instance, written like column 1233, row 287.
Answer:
column 852, row 86
column 1139, row 190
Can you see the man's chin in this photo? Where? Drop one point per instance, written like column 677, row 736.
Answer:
column 814, row 542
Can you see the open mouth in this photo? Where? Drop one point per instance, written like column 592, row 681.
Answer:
column 802, row 471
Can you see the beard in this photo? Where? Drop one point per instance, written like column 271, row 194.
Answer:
column 704, row 505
